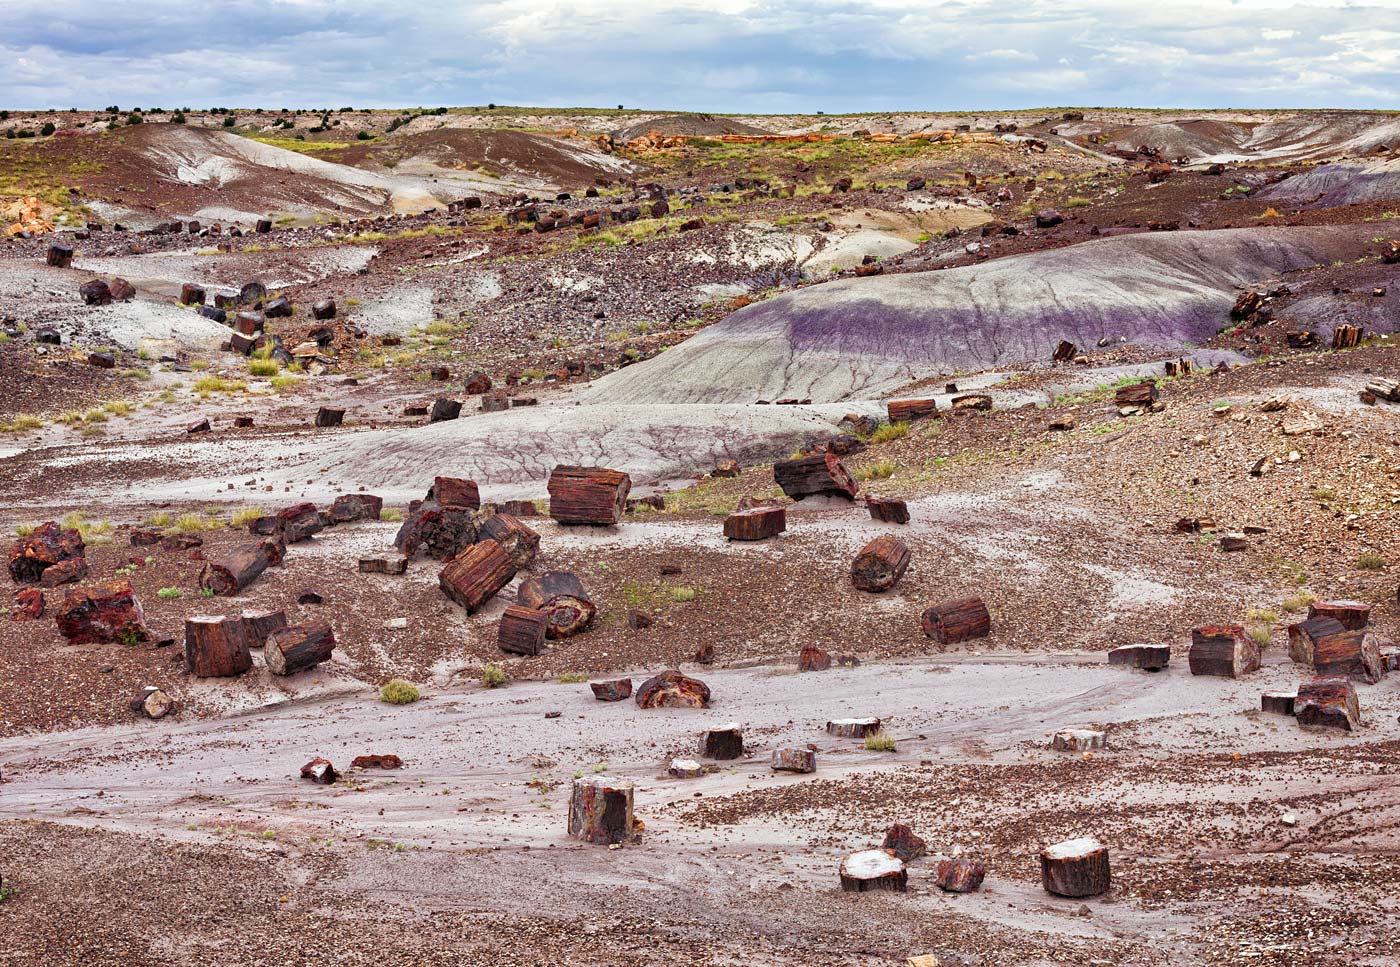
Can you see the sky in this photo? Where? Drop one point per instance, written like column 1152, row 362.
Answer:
column 701, row 55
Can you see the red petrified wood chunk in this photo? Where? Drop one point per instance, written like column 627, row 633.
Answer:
column 320, row 770
column 1075, row 868
column 588, row 495
column 1222, row 650
column 903, row 841
column 1328, row 703
column 903, row 410
column 473, row 577
column 1352, row 614
column 299, row 647
column 107, row 612
column 562, row 597
column 813, row 659
column 960, row 875
column 880, row 564
column 873, row 869
column 46, row 546
column 600, row 810
column 455, row 492
column 891, row 510
column 671, row 689
column 853, row 728
column 1303, row 635
column 240, row 566
column 614, row 691
column 385, row 761
column 520, row 541
column 29, row 604
column 70, row 571
column 960, row 620
column 1149, row 658
column 817, row 474
column 794, row 760
column 755, row 523
column 522, row 631
column 352, row 507
column 725, row 743
column 217, row 647
column 1354, row 654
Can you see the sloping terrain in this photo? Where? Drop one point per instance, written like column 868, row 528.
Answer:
column 688, row 125
column 1341, row 183
column 1276, row 136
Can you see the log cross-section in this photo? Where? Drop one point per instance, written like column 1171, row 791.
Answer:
column 1328, row 703
column 217, row 647
column 1303, row 635
column 588, row 495
column 880, row 564
column 563, row 599
column 1353, row 654
column 299, row 647
column 1222, row 650
column 600, row 810
column 1075, row 868
column 873, row 869
column 960, row 620
column 522, row 631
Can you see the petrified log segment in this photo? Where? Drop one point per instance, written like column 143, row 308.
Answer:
column 880, row 564
column 793, row 760
column 588, row 495
column 217, row 647
column 473, row 577
column 1075, row 868
column 1353, row 654
column 671, row 689
column 1065, row 351
column 1386, row 389
column 813, row 659
column 376, row 761
column 108, row 612
column 614, row 691
column 299, row 522
column 562, row 597
column 153, row 703
column 600, row 810
column 262, row 624
column 455, row 492
column 444, row 409
column 725, row 743
column 852, row 728
column 1222, row 650
column 1328, row 703
column 904, row 843
column 960, row 875
column 240, row 567
column 1347, row 337
column 520, row 541
column 959, row 620
column 1149, row 658
column 383, row 565
column 1303, row 635
column 1279, row 703
column 873, row 869
column 299, row 647
column 685, row 769
column 1138, row 394
column 819, row 473
column 1352, row 614
column 1078, row 740
column 60, row 256
column 352, row 507
column 46, row 546
column 901, row 410
column 522, row 631
column 973, row 401
column 320, row 770
column 755, row 523
column 70, row 571
column 891, row 510
column 443, row 533
column 328, row 416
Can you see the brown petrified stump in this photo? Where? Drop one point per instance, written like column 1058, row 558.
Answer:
column 107, row 612
column 814, row 475
column 891, row 510
column 1353, row 654
column 384, row 565
column 299, row 647
column 561, row 595
column 298, row 522
column 474, row 576
column 671, row 689
column 725, row 743
column 1075, row 868
column 588, row 495
column 959, row 620
column 217, row 647
column 1352, row 614
column 152, row 703
column 520, row 541
column 813, row 659
column 614, row 691
column 240, row 566
column 853, row 728
column 455, row 492
column 600, row 810
column 320, row 770
column 1078, row 740
column 1303, row 635
column 793, row 760
column 70, row 571
column 686, row 769
column 1278, row 703
column 873, row 869
column 352, row 507
column 880, row 564
column 903, row 410
column 522, row 631
column 443, row 532
column 755, row 523
column 261, row 624
column 960, row 875
column 1222, row 650
column 1328, row 703
column 1149, row 658
column 904, row 843
column 45, row 546
column 328, row 416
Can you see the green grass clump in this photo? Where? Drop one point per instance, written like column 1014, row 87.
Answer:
column 244, row 516
column 682, row 595
column 390, row 513
column 492, row 676
column 161, row 518
column 399, row 692
column 1261, row 635
column 572, row 678
column 879, row 470
column 26, row 528
column 91, row 531
column 1078, row 202
column 283, row 383
column 1299, row 601
column 263, row 367
column 886, row 432
column 21, row 423
column 879, row 742
column 217, row 384
column 1371, row 561
column 193, row 523
column 169, row 594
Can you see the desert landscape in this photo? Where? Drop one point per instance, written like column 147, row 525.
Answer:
column 498, row 535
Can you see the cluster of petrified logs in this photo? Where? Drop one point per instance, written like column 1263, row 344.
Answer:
column 222, row 646
column 885, row 867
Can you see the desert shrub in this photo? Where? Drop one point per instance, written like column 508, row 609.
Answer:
column 682, row 595
column 879, row 742
column 399, row 692
column 169, row 594
column 886, row 432
column 1371, row 561
column 879, row 470
column 492, row 676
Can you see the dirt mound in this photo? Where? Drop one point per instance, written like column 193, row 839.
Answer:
column 1343, row 183
column 1311, row 135
column 688, row 126
column 861, row 338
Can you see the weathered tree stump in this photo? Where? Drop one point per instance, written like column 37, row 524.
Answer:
column 873, row 869
column 444, row 409
column 240, row 567
column 1065, row 351
column 793, row 760
column 262, row 624
column 1075, row 868
column 107, row 612
column 880, row 564
column 1353, row 654
column 600, row 810
column 755, row 523
column 521, row 542
column 299, row 522
column 1278, row 703
column 522, row 631
column 152, row 703
column 1303, row 635
column 725, row 743
column 852, row 728
column 1079, row 740
column 614, row 691
column 671, row 689
column 686, row 769
column 891, row 510
column 320, row 770
column 813, row 659
column 457, row 493
column 564, row 600
column 904, row 843
column 299, row 647
column 1352, row 614
column 329, row 416
column 1328, row 703
column 1151, row 658
column 588, row 495
column 60, row 256
column 474, row 576
column 960, row 620
column 45, row 546
column 900, row 411
column 815, row 475
column 973, row 401
column 352, row 507
column 960, row 875
column 1222, row 650
column 217, row 647
column 1347, row 337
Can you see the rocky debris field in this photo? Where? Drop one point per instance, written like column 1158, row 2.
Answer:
column 627, row 538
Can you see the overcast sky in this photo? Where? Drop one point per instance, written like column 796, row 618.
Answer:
column 706, row 55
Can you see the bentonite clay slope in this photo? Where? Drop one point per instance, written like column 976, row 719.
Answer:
column 861, row 338
column 1315, row 134
column 1342, row 183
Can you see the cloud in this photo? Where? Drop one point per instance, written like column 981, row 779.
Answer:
column 715, row 55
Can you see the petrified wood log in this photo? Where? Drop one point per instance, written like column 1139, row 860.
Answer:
column 1303, row 635
column 298, row 522
column 474, row 576
column 1222, row 650
column 457, row 493
column 637, row 620
column 873, row 869
column 329, row 416
column 1301, row 339
column 1347, row 337
column 60, row 256
column 891, row 510
column 880, row 564
column 320, row 770
column 819, row 473
column 442, row 533
column 973, row 401
column 352, row 507
column 46, row 545
column 153, row 703
column 261, row 624
column 522, row 630
column 562, row 597
column 902, row 410
column 1328, row 703
column 813, row 659
column 70, row 571
column 588, row 495
column 614, row 691
column 107, row 612
column 1078, row 740
column 1065, row 351
column 476, row 384
column 852, row 728
column 518, row 508
column 1151, row 658
column 1353, row 654
column 377, row 761
column 240, row 566
column 217, row 647
column 686, row 769
column 904, row 843
column 383, row 565
column 323, row 309
column 299, row 647
column 1352, row 614
column 1138, row 394
column 959, row 620
column 1075, row 868
column 671, row 689
column 704, row 654
column 1279, row 703
column 95, row 293
column 755, row 524
column 600, row 810
column 520, row 541
column 793, row 760
column 444, row 409
column 725, row 743
column 960, row 875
